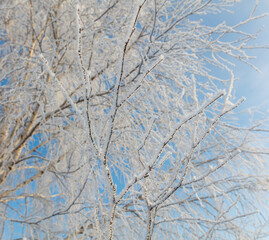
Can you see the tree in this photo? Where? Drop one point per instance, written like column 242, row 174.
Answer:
column 115, row 123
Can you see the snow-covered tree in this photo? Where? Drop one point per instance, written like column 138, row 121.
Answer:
column 118, row 121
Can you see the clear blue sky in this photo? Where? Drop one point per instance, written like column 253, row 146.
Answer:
column 251, row 84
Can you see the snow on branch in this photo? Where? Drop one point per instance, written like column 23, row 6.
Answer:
column 65, row 93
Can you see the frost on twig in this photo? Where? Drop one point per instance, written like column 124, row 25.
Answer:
column 145, row 140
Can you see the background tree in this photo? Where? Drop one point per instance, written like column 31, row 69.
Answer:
column 115, row 123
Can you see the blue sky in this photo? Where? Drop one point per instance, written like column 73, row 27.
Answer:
column 251, row 84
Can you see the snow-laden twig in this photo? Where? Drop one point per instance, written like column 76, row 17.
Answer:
column 65, row 93
column 166, row 193
column 205, row 220
column 85, row 81
column 169, row 137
